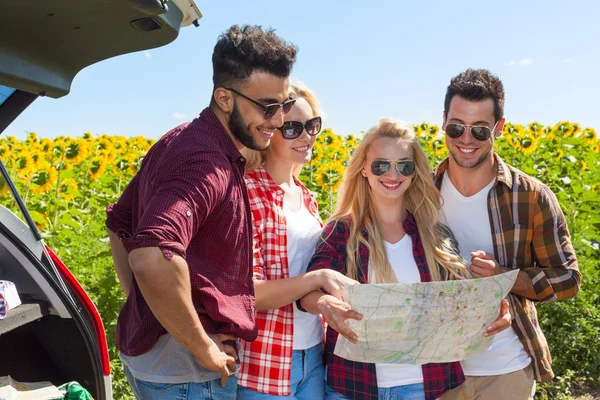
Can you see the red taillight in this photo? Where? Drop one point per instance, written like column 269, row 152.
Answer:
column 89, row 306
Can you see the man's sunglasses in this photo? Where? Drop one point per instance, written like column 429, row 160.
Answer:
column 293, row 129
column 380, row 167
column 269, row 109
column 481, row 133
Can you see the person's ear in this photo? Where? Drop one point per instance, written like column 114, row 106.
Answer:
column 224, row 99
column 444, row 116
column 499, row 128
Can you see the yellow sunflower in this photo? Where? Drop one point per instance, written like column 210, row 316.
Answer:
column 528, row 144
column 31, row 138
column 560, row 154
column 75, row 153
column 23, row 164
column 68, row 188
column 44, row 178
column 329, row 175
column 97, row 167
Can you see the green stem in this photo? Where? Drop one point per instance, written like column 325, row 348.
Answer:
column 56, row 194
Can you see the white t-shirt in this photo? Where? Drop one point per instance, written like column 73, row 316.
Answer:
column 401, row 259
column 468, row 219
column 303, row 230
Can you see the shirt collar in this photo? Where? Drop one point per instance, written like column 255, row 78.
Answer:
column 503, row 174
column 220, row 134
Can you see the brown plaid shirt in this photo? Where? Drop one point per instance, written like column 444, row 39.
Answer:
column 530, row 233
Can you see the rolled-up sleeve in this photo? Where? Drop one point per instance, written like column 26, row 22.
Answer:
column 556, row 274
column 177, row 208
column 330, row 251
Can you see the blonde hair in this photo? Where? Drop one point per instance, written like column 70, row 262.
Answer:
column 255, row 158
column 422, row 199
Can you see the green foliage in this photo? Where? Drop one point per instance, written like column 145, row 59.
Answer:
column 67, row 183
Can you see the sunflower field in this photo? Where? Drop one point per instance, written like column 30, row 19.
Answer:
column 67, row 182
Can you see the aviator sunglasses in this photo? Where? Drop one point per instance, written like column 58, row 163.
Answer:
column 380, row 167
column 481, row 133
column 293, row 129
column 269, row 109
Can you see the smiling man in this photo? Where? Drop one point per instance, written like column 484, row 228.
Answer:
column 181, row 233
column 503, row 219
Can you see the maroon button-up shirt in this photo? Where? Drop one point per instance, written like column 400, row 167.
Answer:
column 189, row 199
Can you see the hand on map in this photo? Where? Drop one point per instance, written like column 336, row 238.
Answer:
column 333, row 283
column 336, row 313
column 503, row 321
column 484, row 265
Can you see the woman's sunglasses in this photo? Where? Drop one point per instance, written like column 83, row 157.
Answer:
column 380, row 167
column 481, row 133
column 293, row 129
column 269, row 109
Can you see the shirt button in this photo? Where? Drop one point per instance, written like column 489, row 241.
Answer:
column 188, row 213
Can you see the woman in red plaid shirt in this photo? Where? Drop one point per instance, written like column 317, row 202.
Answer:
column 286, row 358
column 373, row 237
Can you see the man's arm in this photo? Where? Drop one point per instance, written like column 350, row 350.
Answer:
column 556, row 274
column 120, row 258
column 165, row 285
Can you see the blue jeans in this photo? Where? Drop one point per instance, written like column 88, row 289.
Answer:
column 415, row 391
column 307, row 379
column 211, row 390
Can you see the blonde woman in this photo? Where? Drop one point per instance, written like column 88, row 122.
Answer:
column 285, row 361
column 385, row 230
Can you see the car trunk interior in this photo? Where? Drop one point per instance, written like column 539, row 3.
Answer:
column 43, row 339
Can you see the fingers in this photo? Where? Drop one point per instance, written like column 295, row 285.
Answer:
column 229, row 350
column 224, row 375
column 503, row 321
column 352, row 314
column 222, row 337
column 226, row 369
column 346, row 332
column 482, row 268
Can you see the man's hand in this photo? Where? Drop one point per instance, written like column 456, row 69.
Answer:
column 503, row 322
column 333, row 283
column 484, row 265
column 336, row 313
column 217, row 356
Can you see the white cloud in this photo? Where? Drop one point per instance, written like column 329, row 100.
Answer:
column 510, row 63
column 179, row 115
column 526, row 61
column 148, row 55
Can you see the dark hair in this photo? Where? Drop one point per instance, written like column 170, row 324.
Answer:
column 242, row 50
column 477, row 85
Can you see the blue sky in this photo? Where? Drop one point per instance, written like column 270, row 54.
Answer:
column 365, row 60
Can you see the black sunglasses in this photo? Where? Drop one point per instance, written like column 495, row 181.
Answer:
column 293, row 129
column 380, row 167
column 480, row 133
column 269, row 109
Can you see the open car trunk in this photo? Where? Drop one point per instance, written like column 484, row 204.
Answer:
column 56, row 334
column 53, row 335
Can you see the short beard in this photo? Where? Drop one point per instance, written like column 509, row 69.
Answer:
column 237, row 126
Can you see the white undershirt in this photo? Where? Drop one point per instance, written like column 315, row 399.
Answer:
column 303, row 230
column 401, row 259
column 468, row 219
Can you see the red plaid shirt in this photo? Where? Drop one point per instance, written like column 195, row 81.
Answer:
column 267, row 361
column 357, row 380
